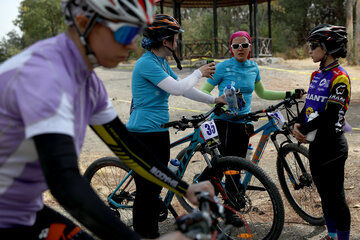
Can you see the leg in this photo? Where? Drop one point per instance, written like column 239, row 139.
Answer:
column 329, row 179
column 147, row 203
column 234, row 137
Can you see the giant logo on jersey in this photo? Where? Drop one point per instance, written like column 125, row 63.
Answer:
column 324, row 82
column 316, row 98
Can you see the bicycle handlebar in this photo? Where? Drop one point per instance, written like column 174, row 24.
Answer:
column 201, row 224
column 254, row 116
column 183, row 123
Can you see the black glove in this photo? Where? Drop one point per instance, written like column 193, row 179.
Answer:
column 299, row 92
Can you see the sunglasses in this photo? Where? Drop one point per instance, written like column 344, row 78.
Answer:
column 314, row 45
column 124, row 33
column 243, row 45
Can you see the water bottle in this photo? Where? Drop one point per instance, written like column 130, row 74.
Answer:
column 174, row 165
column 249, row 152
column 311, row 135
column 231, row 99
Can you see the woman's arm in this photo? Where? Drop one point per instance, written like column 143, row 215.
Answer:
column 180, row 86
column 269, row 94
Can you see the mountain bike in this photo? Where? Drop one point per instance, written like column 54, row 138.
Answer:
column 257, row 200
column 292, row 164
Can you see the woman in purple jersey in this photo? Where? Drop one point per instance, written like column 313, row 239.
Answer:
column 329, row 97
column 49, row 94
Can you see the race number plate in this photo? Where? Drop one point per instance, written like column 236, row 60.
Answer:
column 279, row 118
column 208, row 129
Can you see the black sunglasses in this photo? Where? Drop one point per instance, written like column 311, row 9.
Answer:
column 243, row 45
column 314, row 45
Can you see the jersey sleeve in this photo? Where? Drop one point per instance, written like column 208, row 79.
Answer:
column 103, row 111
column 151, row 71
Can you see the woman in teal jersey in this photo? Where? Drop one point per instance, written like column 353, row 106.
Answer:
column 152, row 83
column 244, row 75
column 329, row 95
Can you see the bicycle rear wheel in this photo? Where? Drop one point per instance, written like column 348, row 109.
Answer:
column 303, row 195
column 105, row 175
column 259, row 204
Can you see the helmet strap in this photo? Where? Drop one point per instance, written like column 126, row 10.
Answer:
column 323, row 60
column 175, row 57
column 84, row 36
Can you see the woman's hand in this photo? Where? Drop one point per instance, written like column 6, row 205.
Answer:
column 221, row 99
column 298, row 135
column 204, row 186
column 208, row 70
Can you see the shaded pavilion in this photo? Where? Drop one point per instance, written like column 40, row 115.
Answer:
column 261, row 46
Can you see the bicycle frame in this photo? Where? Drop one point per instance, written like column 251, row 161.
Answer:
column 194, row 138
column 270, row 129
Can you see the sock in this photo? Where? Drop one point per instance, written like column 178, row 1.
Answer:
column 331, row 227
column 332, row 235
column 343, row 235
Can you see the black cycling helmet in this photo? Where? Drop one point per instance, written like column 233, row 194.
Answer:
column 163, row 27
column 332, row 38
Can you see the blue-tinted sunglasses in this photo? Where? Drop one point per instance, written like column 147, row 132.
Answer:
column 124, row 33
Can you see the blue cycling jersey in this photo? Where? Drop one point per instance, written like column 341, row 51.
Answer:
column 150, row 106
column 242, row 75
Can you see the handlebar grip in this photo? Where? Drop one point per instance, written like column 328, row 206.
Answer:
column 170, row 124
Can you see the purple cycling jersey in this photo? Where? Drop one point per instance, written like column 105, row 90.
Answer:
column 45, row 89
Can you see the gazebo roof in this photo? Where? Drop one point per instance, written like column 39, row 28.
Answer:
column 206, row 3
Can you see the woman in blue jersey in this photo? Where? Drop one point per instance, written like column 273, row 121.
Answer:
column 152, row 83
column 49, row 94
column 244, row 75
column 328, row 95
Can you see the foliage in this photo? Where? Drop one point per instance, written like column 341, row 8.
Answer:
column 294, row 19
column 11, row 45
column 290, row 24
column 39, row 19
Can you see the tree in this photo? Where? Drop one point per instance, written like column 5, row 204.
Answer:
column 11, row 45
column 39, row 19
column 357, row 33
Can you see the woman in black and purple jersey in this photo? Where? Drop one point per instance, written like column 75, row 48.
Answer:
column 329, row 97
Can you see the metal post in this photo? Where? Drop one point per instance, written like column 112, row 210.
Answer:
column 251, row 21
column 162, row 6
column 269, row 21
column 215, row 28
column 177, row 16
column 256, row 29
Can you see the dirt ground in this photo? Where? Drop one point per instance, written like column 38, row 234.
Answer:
column 277, row 74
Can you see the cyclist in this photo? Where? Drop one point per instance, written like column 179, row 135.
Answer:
column 329, row 95
column 49, row 93
column 152, row 83
column 244, row 75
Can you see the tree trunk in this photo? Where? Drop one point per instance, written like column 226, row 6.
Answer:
column 357, row 34
column 350, row 30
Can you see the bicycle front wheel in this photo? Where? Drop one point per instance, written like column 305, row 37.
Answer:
column 259, row 202
column 294, row 174
column 111, row 180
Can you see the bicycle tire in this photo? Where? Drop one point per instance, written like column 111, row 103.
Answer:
column 104, row 175
column 263, row 210
column 306, row 200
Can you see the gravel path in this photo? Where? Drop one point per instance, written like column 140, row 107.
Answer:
column 279, row 75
